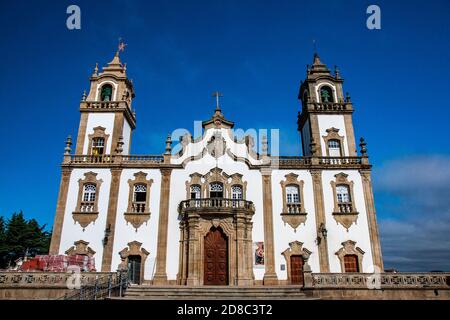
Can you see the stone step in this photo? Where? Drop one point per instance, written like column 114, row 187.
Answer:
column 215, row 292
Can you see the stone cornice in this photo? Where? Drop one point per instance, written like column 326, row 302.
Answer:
column 272, row 163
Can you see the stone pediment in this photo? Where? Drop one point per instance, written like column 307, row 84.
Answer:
column 217, row 145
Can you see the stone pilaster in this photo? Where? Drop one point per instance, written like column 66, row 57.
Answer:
column 117, row 130
column 194, row 259
column 270, row 277
column 81, row 133
column 160, row 277
column 320, row 218
column 315, row 134
column 111, row 219
column 60, row 210
column 372, row 219
column 350, row 134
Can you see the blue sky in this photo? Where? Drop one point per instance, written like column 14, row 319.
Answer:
column 255, row 53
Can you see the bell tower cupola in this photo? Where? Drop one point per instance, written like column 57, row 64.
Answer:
column 325, row 119
column 107, row 118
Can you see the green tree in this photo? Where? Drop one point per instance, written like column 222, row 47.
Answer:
column 3, row 249
column 22, row 237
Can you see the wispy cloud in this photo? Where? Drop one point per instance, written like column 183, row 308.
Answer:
column 415, row 231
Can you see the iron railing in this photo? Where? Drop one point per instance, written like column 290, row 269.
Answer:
column 111, row 285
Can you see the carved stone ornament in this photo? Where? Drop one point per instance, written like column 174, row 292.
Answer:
column 346, row 219
column 136, row 219
column 84, row 219
column 80, row 247
column 294, row 219
column 216, row 145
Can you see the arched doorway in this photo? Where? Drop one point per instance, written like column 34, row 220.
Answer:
column 297, row 269
column 134, row 268
column 215, row 261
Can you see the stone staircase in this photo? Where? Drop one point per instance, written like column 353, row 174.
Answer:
column 148, row 292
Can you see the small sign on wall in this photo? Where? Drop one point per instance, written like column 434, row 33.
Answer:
column 258, row 254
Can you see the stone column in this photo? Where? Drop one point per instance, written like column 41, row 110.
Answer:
column 320, row 218
column 160, row 277
column 111, row 219
column 270, row 277
column 372, row 219
column 60, row 210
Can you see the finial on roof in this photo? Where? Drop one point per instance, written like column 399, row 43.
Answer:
column 67, row 149
column 95, row 70
column 316, row 60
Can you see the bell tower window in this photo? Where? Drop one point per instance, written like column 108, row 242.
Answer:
column 334, row 148
column 106, row 93
column 326, row 94
column 98, row 146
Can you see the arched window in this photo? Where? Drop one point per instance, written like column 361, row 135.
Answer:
column 334, row 148
column 139, row 198
column 351, row 263
column 343, row 194
column 292, row 194
column 326, row 94
column 236, row 192
column 106, row 93
column 140, row 193
column 89, row 194
column 216, row 190
column 195, row 191
column 98, row 146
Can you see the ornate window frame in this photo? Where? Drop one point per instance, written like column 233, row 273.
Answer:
column 131, row 216
column 296, row 249
column 333, row 134
column 134, row 249
column 99, row 132
column 196, row 179
column 80, row 247
column 349, row 248
column 82, row 217
column 348, row 216
column 293, row 215
column 236, row 179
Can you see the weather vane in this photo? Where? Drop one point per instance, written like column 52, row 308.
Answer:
column 121, row 46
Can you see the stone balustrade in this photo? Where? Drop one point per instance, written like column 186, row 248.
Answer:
column 402, row 280
column 216, row 204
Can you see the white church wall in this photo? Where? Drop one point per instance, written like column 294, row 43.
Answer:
column 95, row 231
column 147, row 233
column 327, row 121
column 126, row 137
column 195, row 148
column 337, row 234
column 105, row 120
column 284, row 234
column 178, row 194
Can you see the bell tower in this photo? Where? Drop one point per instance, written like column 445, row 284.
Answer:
column 325, row 121
column 107, row 119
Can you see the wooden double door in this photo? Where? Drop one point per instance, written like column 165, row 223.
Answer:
column 215, row 258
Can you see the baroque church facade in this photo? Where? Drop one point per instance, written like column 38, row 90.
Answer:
column 217, row 212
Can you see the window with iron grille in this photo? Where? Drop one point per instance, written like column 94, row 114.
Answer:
column 140, row 193
column 89, row 192
column 196, row 191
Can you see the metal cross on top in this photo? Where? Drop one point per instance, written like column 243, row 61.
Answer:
column 217, row 94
